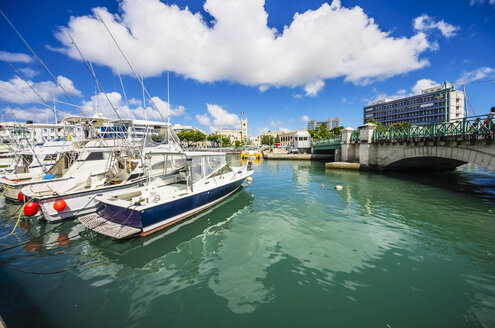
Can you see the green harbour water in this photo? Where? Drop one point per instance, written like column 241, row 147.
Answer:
column 389, row 250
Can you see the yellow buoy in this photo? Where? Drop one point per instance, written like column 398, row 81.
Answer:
column 249, row 180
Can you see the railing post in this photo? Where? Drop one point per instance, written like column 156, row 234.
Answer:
column 345, row 144
column 366, row 137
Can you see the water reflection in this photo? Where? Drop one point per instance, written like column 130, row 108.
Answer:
column 405, row 240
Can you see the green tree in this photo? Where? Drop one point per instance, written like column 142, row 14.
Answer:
column 214, row 138
column 399, row 126
column 277, row 139
column 191, row 136
column 226, row 142
column 336, row 132
column 237, row 143
column 267, row 140
column 313, row 133
column 323, row 132
column 379, row 126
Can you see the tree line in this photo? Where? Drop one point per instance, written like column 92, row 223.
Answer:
column 193, row 137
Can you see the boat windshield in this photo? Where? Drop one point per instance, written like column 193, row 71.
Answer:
column 165, row 163
column 204, row 165
column 165, row 138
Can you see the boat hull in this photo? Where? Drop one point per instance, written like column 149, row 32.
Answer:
column 78, row 204
column 163, row 215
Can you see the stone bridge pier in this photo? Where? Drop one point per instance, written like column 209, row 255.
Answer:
column 444, row 152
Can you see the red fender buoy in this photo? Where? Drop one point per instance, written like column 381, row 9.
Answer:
column 59, row 205
column 20, row 196
column 31, row 209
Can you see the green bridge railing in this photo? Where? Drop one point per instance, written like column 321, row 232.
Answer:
column 475, row 125
column 355, row 136
column 329, row 141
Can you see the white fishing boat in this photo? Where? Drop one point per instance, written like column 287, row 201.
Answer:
column 98, row 171
column 204, row 181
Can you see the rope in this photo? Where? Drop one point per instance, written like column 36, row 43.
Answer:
column 128, row 167
column 20, row 213
column 32, row 239
column 3, row 192
column 70, row 268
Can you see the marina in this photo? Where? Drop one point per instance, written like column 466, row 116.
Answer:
column 133, row 192
column 355, row 257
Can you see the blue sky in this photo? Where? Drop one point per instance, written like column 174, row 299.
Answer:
column 280, row 62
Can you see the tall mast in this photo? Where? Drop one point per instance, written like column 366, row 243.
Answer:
column 168, row 108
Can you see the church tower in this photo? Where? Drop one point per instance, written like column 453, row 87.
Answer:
column 244, row 129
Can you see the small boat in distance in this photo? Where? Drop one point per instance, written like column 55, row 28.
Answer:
column 204, row 181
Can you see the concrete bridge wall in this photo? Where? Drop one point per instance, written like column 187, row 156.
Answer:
column 417, row 154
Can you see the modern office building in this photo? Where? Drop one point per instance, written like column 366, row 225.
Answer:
column 331, row 123
column 437, row 104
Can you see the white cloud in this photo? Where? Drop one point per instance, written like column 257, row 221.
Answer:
column 343, row 100
column 312, row 89
column 220, row 118
column 478, row 74
column 415, row 90
column 263, row 87
column 15, row 57
column 28, row 73
column 329, row 42
column 100, row 104
column 37, row 115
column 17, row 91
column 481, row 2
column 423, row 84
column 427, row 23
column 203, row 119
column 134, row 101
column 305, row 118
column 278, row 124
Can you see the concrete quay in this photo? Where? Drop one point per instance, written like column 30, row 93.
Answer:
column 298, row 157
column 344, row 166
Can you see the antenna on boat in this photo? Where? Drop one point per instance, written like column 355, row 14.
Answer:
column 176, row 139
column 132, row 69
column 94, row 75
column 54, row 106
column 41, row 62
column 168, row 107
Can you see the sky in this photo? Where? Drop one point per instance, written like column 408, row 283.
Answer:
column 280, row 62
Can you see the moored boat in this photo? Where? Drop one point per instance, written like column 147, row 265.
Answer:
column 205, row 181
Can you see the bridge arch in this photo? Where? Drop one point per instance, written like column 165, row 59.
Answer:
column 434, row 158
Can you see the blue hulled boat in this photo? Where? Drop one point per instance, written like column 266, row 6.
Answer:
column 204, row 180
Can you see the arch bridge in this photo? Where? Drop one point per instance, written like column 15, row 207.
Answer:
column 436, row 146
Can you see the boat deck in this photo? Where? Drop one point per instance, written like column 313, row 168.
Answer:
column 107, row 228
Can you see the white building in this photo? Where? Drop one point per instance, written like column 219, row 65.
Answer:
column 437, row 104
column 331, row 123
column 302, row 141
column 235, row 135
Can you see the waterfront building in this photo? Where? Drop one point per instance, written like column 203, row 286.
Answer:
column 437, row 104
column 179, row 127
column 331, row 123
column 302, row 141
column 290, row 138
column 235, row 135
